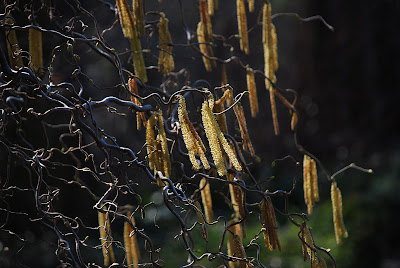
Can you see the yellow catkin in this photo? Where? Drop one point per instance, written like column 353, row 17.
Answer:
column 309, row 247
column 203, row 46
column 165, row 61
column 338, row 223
column 239, row 250
column 206, row 199
column 164, row 146
column 151, row 142
column 270, row 59
column 242, row 26
column 206, row 20
column 247, row 145
column 190, row 137
column 138, row 16
column 138, row 61
column 36, row 49
column 219, row 107
column 134, row 90
column 294, row 121
column 314, row 180
column 105, row 238
column 13, row 48
column 224, row 78
column 125, row 18
column 251, row 87
column 251, row 5
column 307, row 187
column 131, row 245
column 216, row 139
column 234, row 230
column 210, row 4
column 269, row 224
column 238, row 203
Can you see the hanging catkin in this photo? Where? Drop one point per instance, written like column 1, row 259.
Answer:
column 13, row 48
column 138, row 16
column 166, row 163
column 336, row 197
column 140, row 117
column 251, row 87
column 238, row 203
column 308, row 243
column 165, row 61
column 268, row 221
column 310, row 183
column 247, row 145
column 131, row 246
column 151, row 141
column 125, row 19
column 219, row 107
column 105, row 238
column 270, row 60
column 35, row 49
column 206, row 199
column 242, row 26
column 251, row 5
column 203, row 46
column 191, row 139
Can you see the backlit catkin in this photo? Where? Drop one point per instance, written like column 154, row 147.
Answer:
column 165, row 61
column 251, row 87
column 216, row 139
column 191, row 139
column 138, row 61
column 234, row 230
column 336, row 197
column 151, row 141
column 131, row 246
column 251, row 5
column 270, row 60
column 219, row 107
column 166, row 162
column 206, row 199
column 125, row 18
column 105, row 238
column 203, row 46
column 242, row 26
column 310, row 183
column 247, row 145
column 308, row 243
column 35, row 49
column 238, row 203
column 14, row 54
column 269, row 224
column 138, row 16
column 134, row 90
column 294, row 121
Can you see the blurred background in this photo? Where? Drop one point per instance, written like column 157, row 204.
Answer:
column 348, row 90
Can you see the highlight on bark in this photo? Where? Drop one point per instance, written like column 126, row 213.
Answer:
column 126, row 19
column 138, row 16
column 337, row 210
column 106, row 238
column 206, row 199
column 166, row 60
column 191, row 139
column 251, row 87
column 131, row 246
column 269, row 224
column 35, row 50
column 242, row 26
column 270, row 60
column 14, row 53
column 310, row 183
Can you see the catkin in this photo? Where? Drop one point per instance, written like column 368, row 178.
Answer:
column 131, row 246
column 247, row 145
column 210, row 4
column 151, row 142
column 138, row 16
column 191, row 139
column 251, row 5
column 139, row 115
column 138, row 61
column 216, row 139
column 206, row 199
column 13, row 48
column 224, row 78
column 35, row 49
column 219, row 107
column 251, row 87
column 336, row 197
column 308, row 246
column 126, row 19
column 310, row 183
column 166, row 162
column 203, row 46
column 294, row 121
column 270, row 59
column 268, row 221
column 238, row 203
column 165, row 61
column 105, row 238
column 242, row 26
column 206, row 20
